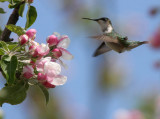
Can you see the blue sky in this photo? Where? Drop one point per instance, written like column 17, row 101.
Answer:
column 83, row 71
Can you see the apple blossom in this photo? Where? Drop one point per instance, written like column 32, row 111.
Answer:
column 31, row 33
column 23, row 39
column 50, row 77
column 63, row 44
column 65, row 54
column 41, row 77
column 57, row 52
column 52, row 70
column 40, row 63
column 52, row 40
column 28, row 71
column 41, row 50
column 32, row 46
column 45, row 57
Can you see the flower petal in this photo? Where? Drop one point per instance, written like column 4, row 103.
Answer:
column 57, row 34
column 40, row 63
column 59, row 80
column 64, row 42
column 63, row 64
column 52, row 69
column 66, row 55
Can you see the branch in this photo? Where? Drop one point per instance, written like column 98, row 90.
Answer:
column 12, row 20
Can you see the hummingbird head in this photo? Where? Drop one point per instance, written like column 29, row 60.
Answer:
column 105, row 24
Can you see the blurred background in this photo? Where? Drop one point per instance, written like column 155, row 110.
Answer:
column 110, row 86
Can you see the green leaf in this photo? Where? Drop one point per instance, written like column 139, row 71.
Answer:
column 3, row 45
column 45, row 92
column 16, row 29
column 3, row 0
column 31, row 16
column 4, row 63
column 2, row 52
column 11, row 69
column 2, row 11
column 21, row 10
column 14, row 94
column 12, row 45
column 14, row 3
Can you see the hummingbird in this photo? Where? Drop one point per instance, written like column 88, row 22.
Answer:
column 111, row 39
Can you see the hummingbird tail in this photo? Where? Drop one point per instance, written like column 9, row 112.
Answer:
column 145, row 42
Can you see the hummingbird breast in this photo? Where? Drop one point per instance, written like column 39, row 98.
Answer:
column 116, row 47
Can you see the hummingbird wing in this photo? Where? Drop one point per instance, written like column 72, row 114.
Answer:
column 106, row 38
column 101, row 49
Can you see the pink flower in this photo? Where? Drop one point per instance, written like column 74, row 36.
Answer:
column 65, row 54
column 32, row 47
column 41, row 50
column 41, row 77
column 40, row 63
column 63, row 44
column 52, row 40
column 51, row 75
column 155, row 41
column 23, row 39
column 57, row 53
column 28, row 71
column 52, row 70
column 31, row 33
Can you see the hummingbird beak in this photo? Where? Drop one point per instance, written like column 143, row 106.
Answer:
column 90, row 19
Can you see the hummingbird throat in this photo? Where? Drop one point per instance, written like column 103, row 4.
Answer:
column 109, row 29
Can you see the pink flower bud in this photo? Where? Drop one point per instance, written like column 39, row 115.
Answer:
column 23, row 39
column 41, row 50
column 57, row 53
column 48, row 85
column 28, row 71
column 155, row 41
column 32, row 47
column 33, row 64
column 52, row 40
column 41, row 77
column 31, row 33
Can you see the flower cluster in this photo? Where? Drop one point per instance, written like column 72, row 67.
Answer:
column 42, row 65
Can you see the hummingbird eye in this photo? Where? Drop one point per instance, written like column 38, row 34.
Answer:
column 104, row 19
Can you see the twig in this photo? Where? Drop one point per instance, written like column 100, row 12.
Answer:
column 12, row 20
